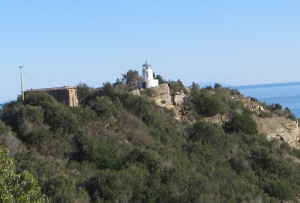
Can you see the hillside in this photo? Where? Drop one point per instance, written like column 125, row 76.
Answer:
column 165, row 144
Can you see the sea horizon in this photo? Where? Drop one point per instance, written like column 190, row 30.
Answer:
column 285, row 94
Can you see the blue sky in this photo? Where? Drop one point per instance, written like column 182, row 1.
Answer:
column 59, row 43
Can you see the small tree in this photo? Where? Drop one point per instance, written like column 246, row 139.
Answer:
column 15, row 187
column 195, row 86
column 119, row 85
column 83, row 91
column 175, row 86
column 160, row 79
column 241, row 122
column 276, row 106
column 208, row 105
column 132, row 79
column 217, row 85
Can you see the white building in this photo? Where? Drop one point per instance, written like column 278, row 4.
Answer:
column 148, row 80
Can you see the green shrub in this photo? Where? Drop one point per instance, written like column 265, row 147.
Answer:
column 241, row 122
column 175, row 86
column 149, row 92
column 276, row 106
column 203, row 131
column 209, row 105
column 17, row 187
column 289, row 114
column 83, row 92
column 279, row 189
column 234, row 92
column 217, row 85
column 39, row 99
column 34, row 114
column 103, row 107
column 254, row 99
column 3, row 128
column 265, row 114
column 97, row 151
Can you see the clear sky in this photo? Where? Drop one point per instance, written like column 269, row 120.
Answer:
column 59, row 43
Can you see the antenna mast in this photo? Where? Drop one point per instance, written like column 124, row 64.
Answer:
column 21, row 67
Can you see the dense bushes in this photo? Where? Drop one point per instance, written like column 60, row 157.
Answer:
column 17, row 187
column 277, row 109
column 118, row 147
column 265, row 114
column 207, row 104
column 242, row 123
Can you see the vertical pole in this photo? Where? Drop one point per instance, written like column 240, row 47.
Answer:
column 22, row 82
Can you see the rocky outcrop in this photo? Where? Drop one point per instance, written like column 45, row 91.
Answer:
column 219, row 119
column 160, row 90
column 276, row 127
column 161, row 95
column 279, row 128
column 178, row 98
column 252, row 104
column 136, row 92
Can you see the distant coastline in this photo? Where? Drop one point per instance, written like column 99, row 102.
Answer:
column 287, row 94
column 266, row 85
column 283, row 84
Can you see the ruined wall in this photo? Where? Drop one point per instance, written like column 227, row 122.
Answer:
column 65, row 95
column 73, row 100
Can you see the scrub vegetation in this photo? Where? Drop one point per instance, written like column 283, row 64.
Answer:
column 118, row 147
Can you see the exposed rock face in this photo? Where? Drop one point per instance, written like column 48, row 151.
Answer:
column 179, row 98
column 279, row 128
column 219, row 119
column 161, row 90
column 161, row 95
column 136, row 92
column 252, row 104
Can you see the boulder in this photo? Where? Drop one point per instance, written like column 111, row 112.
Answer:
column 160, row 90
column 179, row 98
column 136, row 92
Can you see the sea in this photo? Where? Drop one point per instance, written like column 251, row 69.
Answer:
column 286, row 94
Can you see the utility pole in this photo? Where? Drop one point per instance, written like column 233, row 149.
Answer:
column 21, row 67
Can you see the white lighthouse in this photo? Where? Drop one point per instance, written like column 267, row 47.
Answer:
column 149, row 81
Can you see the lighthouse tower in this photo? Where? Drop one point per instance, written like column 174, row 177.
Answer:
column 149, row 81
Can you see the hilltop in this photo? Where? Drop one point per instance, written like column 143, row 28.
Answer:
column 165, row 144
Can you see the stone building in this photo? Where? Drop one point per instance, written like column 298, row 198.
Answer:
column 64, row 94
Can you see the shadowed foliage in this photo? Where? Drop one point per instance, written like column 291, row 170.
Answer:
column 118, row 147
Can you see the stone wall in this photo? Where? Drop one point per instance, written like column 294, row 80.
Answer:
column 65, row 95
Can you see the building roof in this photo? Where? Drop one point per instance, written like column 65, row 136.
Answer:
column 53, row 88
